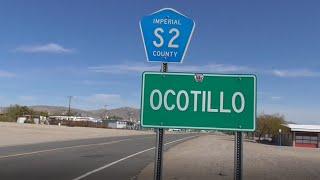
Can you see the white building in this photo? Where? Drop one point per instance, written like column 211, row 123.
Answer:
column 75, row 118
column 304, row 135
column 116, row 124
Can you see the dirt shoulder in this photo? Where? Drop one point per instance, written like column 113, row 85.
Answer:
column 211, row 157
column 18, row 134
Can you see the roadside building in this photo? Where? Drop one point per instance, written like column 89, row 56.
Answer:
column 302, row 135
column 35, row 119
column 22, row 119
column 77, row 121
column 117, row 124
column 74, row 118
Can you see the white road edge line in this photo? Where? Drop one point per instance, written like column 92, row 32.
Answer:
column 62, row 148
column 125, row 158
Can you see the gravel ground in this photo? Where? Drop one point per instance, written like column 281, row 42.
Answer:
column 211, row 157
column 18, row 134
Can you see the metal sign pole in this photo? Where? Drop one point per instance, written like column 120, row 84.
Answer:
column 159, row 152
column 159, row 144
column 238, row 155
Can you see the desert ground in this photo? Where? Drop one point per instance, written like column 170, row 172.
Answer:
column 212, row 157
column 20, row 134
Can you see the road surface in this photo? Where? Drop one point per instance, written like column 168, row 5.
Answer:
column 113, row 158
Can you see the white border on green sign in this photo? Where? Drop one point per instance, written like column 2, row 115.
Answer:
column 204, row 128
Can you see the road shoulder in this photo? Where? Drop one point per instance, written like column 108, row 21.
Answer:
column 211, row 157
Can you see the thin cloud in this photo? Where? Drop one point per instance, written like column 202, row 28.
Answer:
column 101, row 83
column 219, row 68
column 103, row 98
column 276, row 98
column 295, row 73
column 209, row 68
column 27, row 98
column 45, row 48
column 138, row 68
column 6, row 74
column 298, row 114
column 123, row 68
column 263, row 95
column 98, row 100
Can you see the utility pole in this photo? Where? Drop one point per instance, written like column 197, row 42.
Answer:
column 106, row 114
column 69, row 109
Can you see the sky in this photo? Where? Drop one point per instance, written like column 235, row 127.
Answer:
column 93, row 51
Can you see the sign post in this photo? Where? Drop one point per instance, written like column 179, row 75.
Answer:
column 159, row 144
column 166, row 35
column 238, row 142
column 159, row 155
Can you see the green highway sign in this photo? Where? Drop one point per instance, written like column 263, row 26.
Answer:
column 198, row 101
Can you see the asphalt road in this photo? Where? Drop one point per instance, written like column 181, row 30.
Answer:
column 114, row 158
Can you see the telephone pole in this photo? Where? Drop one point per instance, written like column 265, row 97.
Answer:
column 106, row 111
column 69, row 109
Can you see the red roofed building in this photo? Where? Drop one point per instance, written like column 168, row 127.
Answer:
column 304, row 135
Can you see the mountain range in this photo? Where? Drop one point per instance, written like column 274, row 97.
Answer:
column 125, row 113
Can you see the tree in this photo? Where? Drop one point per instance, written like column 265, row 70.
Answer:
column 42, row 113
column 270, row 124
column 115, row 117
column 13, row 112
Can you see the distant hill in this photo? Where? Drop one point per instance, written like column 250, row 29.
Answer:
column 123, row 112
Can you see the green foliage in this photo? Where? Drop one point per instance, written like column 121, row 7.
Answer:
column 115, row 118
column 270, row 124
column 72, row 113
column 42, row 113
column 13, row 112
column 3, row 118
